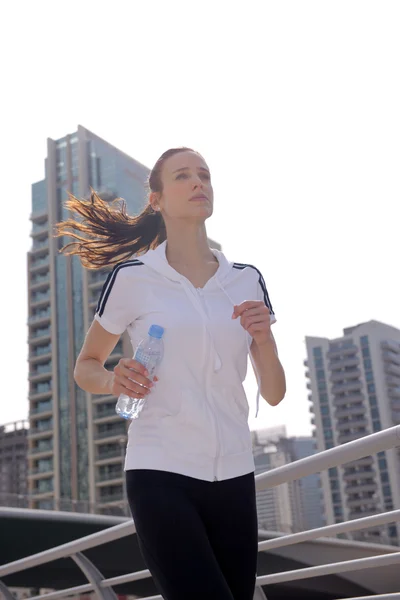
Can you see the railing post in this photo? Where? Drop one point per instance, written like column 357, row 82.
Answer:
column 259, row 594
column 94, row 577
column 5, row 592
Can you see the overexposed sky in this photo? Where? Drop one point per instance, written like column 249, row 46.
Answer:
column 295, row 105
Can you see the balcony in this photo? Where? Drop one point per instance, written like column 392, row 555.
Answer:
column 349, row 412
column 350, row 351
column 38, row 283
column 392, row 346
column 41, row 429
column 40, row 335
column 39, row 353
column 359, row 502
column 343, row 438
column 39, row 247
column 40, row 391
column 115, row 432
column 111, row 477
column 111, row 457
column 354, row 422
column 392, row 381
column 39, row 472
column 361, row 487
column 344, row 376
column 394, row 392
column 41, row 409
column 40, row 317
column 40, row 299
column 41, row 264
column 370, row 473
column 39, row 229
column 348, row 400
column 392, row 369
column 347, row 387
column 350, row 361
column 43, row 371
column 43, row 489
column 367, row 461
column 109, row 498
column 42, row 449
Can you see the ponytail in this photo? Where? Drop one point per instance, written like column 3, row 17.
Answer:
column 105, row 234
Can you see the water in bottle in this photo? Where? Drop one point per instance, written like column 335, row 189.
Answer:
column 149, row 353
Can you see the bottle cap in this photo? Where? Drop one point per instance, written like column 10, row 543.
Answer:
column 156, row 331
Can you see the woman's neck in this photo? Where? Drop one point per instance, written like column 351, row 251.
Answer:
column 188, row 246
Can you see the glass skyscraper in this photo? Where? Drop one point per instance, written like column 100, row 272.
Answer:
column 76, row 441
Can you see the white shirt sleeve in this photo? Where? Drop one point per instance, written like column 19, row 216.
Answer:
column 114, row 310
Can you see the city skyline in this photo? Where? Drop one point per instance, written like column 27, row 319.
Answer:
column 302, row 147
column 354, row 384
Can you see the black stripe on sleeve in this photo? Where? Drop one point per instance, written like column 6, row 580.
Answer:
column 109, row 282
column 261, row 281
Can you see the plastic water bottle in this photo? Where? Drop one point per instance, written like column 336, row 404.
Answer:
column 149, row 353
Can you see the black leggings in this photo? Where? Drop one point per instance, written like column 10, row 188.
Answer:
column 198, row 538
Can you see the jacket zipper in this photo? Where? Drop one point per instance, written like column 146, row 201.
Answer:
column 210, row 403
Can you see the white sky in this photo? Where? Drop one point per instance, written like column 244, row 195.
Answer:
column 296, row 108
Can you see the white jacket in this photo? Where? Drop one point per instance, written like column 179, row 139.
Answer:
column 194, row 421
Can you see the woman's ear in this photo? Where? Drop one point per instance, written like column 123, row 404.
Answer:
column 153, row 200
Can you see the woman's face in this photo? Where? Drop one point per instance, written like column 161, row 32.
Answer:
column 187, row 190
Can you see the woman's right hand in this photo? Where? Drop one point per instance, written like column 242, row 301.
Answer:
column 131, row 378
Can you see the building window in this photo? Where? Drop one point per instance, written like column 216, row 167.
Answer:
column 328, row 445
column 319, row 363
column 365, row 352
column 323, row 398
column 382, row 464
column 364, row 340
column 321, row 375
column 328, row 434
column 371, row 388
column 372, row 400
column 374, row 413
column 317, row 352
column 385, row 477
column 324, row 410
column 376, row 425
column 322, row 386
column 333, row 472
column 338, row 512
column 387, row 492
column 369, row 376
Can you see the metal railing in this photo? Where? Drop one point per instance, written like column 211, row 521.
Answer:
column 372, row 444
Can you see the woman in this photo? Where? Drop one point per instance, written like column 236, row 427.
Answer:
column 189, row 462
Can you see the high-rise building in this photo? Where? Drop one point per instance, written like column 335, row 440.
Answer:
column 309, row 493
column 293, row 506
column 354, row 384
column 76, row 441
column 13, row 464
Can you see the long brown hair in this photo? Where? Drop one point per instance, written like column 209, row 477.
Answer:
column 104, row 232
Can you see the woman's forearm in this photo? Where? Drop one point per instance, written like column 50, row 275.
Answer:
column 92, row 377
column 270, row 371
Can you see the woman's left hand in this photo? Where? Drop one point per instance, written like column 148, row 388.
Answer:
column 255, row 318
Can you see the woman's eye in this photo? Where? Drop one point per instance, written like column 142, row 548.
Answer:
column 181, row 176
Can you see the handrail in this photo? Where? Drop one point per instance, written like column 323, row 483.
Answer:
column 370, row 444
column 349, row 452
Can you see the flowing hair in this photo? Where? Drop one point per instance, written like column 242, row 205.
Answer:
column 104, row 234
